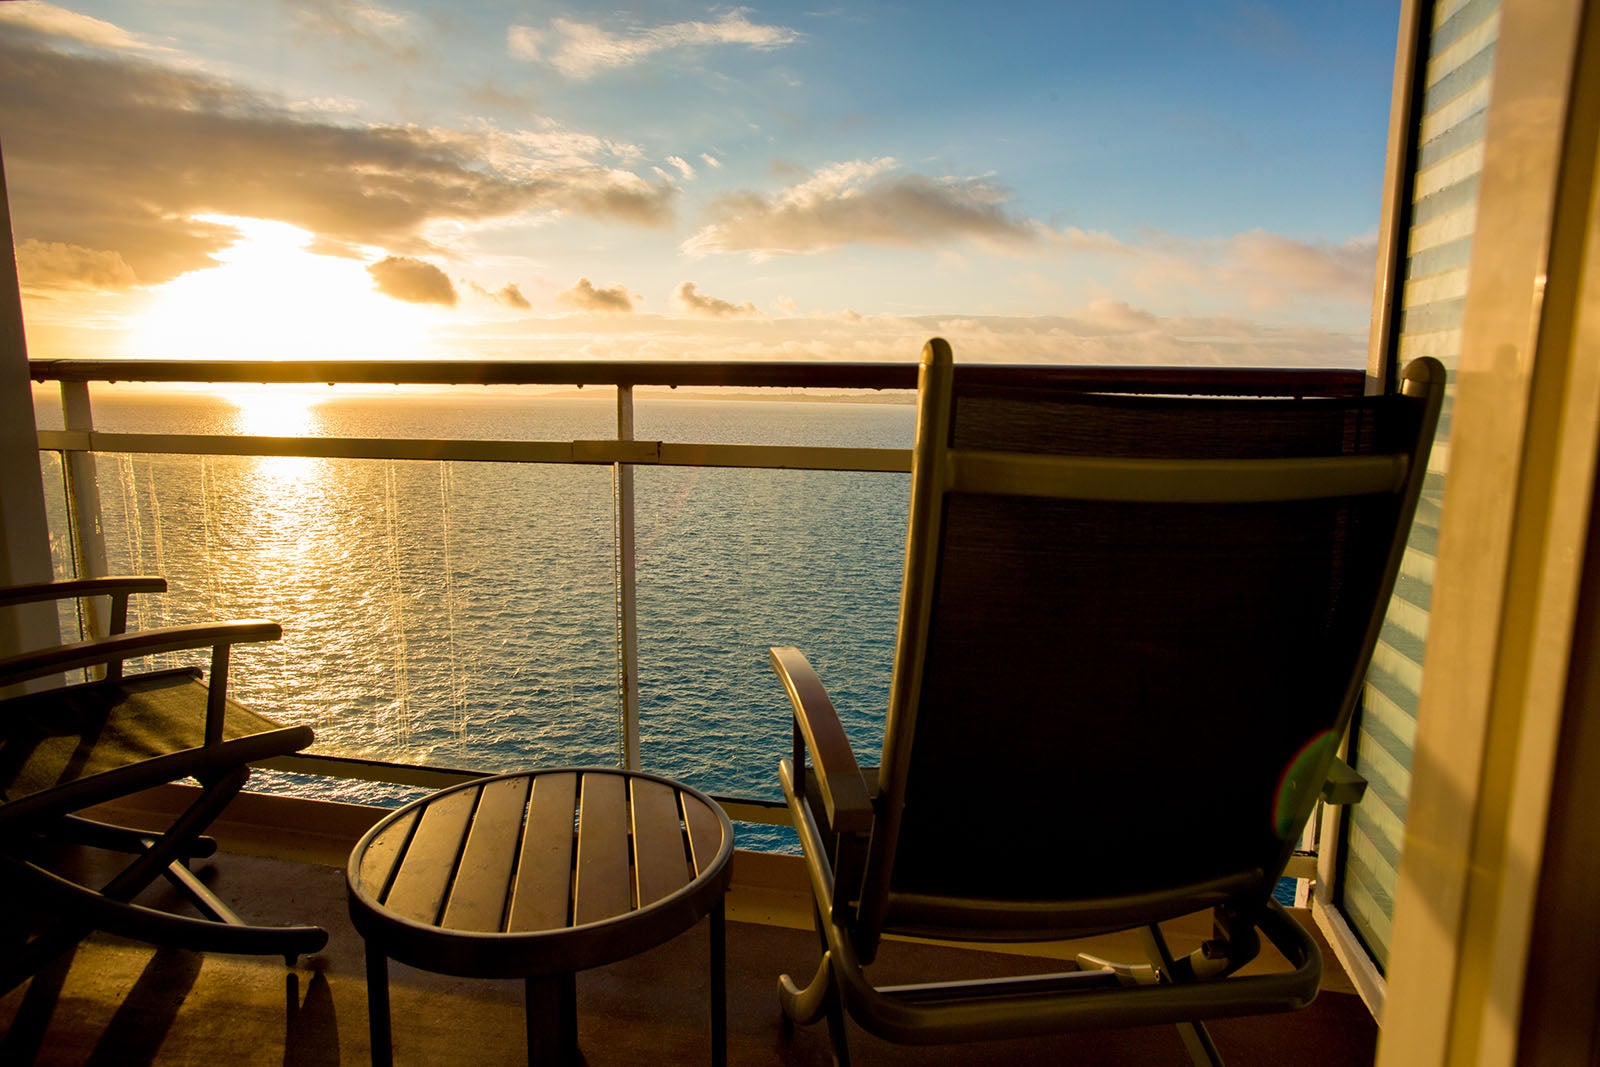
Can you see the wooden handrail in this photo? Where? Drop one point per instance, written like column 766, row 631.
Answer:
column 703, row 374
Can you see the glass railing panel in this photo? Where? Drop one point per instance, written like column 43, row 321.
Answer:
column 732, row 562
column 52, row 477
column 464, row 614
column 444, row 614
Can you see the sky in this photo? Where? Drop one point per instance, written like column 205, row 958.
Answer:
column 1056, row 182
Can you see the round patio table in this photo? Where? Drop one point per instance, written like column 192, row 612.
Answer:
column 539, row 875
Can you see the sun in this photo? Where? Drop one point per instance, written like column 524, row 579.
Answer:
column 269, row 297
column 273, row 410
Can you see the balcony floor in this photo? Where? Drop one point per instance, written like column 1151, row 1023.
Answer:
column 113, row 1001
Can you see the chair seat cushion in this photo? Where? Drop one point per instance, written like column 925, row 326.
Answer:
column 152, row 724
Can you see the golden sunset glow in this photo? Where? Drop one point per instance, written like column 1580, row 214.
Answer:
column 283, row 482
column 272, row 411
column 269, row 297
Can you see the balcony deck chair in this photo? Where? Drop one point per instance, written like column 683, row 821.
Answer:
column 1131, row 635
column 77, row 743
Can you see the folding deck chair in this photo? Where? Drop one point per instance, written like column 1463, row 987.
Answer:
column 78, row 743
column 1132, row 633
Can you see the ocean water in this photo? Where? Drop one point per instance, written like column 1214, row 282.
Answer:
column 464, row 614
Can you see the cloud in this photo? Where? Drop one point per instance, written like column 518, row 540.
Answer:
column 512, row 297
column 583, row 50
column 413, row 280
column 1271, row 261
column 491, row 97
column 508, row 295
column 585, row 297
column 1109, row 332
column 710, row 307
column 524, row 42
column 51, row 265
column 52, row 21
column 683, row 166
column 1105, row 332
column 112, row 151
column 863, row 202
column 390, row 33
column 1257, row 269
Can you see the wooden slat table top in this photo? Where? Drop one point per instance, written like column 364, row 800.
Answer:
column 704, row 824
column 429, row 863
column 661, row 865
column 602, row 889
column 478, row 895
column 540, row 872
column 383, row 851
column 542, row 897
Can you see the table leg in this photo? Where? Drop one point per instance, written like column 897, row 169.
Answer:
column 552, row 1011
column 719, row 986
column 378, row 1006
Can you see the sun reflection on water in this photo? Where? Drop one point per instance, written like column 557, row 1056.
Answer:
column 285, row 496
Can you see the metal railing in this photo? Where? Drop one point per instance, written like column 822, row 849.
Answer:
column 79, row 440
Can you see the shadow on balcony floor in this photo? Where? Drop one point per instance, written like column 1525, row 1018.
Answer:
column 115, row 1002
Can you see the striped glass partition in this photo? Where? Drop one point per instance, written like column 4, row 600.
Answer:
column 1448, row 152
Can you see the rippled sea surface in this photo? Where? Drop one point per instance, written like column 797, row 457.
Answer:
column 464, row 614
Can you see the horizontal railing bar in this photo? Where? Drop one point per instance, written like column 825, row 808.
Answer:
column 786, row 457
column 739, row 809
column 1301, row 865
column 369, row 770
column 750, row 374
column 601, row 452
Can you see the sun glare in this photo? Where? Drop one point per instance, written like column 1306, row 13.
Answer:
column 269, row 297
column 278, row 411
column 272, row 411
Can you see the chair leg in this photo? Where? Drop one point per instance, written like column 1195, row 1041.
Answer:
column 1196, row 1039
column 169, row 847
column 114, row 838
column 806, row 1006
column 819, row 999
column 837, row 1036
column 83, row 910
column 1197, row 1042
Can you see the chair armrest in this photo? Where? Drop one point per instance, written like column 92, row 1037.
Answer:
column 845, row 798
column 76, row 587
column 118, row 647
column 118, row 587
